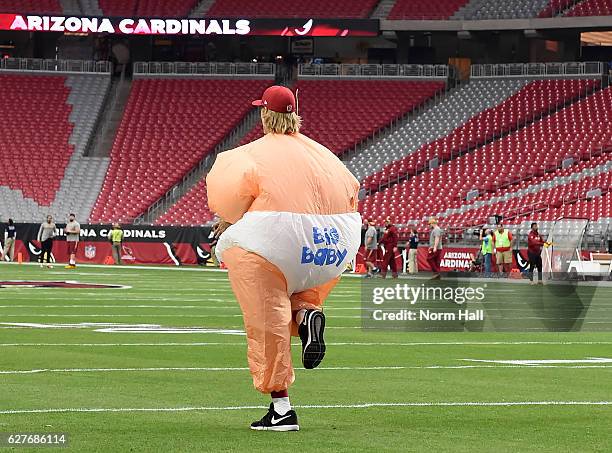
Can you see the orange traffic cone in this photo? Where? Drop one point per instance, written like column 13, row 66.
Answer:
column 360, row 269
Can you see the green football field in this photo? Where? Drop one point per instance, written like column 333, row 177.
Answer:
column 161, row 366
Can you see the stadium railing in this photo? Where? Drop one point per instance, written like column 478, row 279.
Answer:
column 219, row 69
column 55, row 66
column 403, row 71
column 104, row 119
column 539, row 70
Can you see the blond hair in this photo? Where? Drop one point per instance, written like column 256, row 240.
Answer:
column 280, row 123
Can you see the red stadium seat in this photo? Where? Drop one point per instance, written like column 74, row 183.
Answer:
column 35, row 132
column 543, row 203
column 591, row 8
column 169, row 125
column 342, row 113
column 30, row 6
column 192, row 208
column 147, row 8
column 554, row 7
column 424, row 9
column 581, row 131
column 165, row 8
column 339, row 113
column 346, row 9
column 119, row 8
column 530, row 103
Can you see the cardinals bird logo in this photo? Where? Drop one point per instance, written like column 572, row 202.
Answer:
column 305, row 28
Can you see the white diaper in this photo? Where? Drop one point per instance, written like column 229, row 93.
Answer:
column 309, row 249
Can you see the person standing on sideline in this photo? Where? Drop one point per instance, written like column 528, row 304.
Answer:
column 46, row 233
column 413, row 246
column 371, row 247
column 389, row 241
column 486, row 248
column 10, row 235
column 435, row 247
column 503, row 247
column 73, row 233
column 115, row 236
column 534, row 253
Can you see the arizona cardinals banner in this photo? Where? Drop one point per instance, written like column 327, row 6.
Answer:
column 184, row 26
column 142, row 244
column 454, row 259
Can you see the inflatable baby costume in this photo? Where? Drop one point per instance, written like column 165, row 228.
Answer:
column 289, row 227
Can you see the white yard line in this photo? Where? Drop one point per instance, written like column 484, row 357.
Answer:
column 313, row 406
column 107, row 315
column 339, row 368
column 153, row 268
column 412, row 344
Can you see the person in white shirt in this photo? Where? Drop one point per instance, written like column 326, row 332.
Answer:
column 73, row 232
column 46, row 233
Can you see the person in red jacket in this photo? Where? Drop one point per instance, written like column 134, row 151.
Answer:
column 389, row 241
column 534, row 251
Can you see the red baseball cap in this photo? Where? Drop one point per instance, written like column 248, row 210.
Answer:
column 278, row 99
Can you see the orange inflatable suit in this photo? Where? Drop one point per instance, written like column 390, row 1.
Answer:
column 294, row 228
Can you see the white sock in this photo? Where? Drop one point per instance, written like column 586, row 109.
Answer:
column 281, row 405
column 299, row 317
column 72, row 262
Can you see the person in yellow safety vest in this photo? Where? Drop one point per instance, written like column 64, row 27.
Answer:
column 503, row 249
column 486, row 249
column 115, row 236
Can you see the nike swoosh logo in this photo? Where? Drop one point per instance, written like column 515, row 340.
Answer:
column 275, row 421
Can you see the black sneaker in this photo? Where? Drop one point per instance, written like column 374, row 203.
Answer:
column 311, row 333
column 275, row 422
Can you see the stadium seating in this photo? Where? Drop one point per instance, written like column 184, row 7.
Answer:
column 554, row 7
column 48, row 121
column 119, row 8
column 342, row 113
column 30, row 6
column 191, row 209
column 366, row 106
column 147, row 8
column 165, row 8
column 91, row 7
column 424, row 9
column 591, row 8
column 528, row 104
column 254, row 134
column 500, row 9
column 168, row 126
column 35, row 134
column 577, row 131
column 347, row 9
column 516, row 169
column 457, row 107
column 532, row 196
column 595, row 209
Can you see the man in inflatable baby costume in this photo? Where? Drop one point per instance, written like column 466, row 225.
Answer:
column 288, row 229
